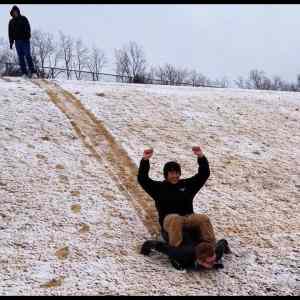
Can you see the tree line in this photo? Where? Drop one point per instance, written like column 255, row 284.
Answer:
column 130, row 63
column 258, row 80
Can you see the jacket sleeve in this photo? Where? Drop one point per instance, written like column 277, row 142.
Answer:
column 197, row 181
column 150, row 186
column 27, row 27
column 10, row 33
column 182, row 256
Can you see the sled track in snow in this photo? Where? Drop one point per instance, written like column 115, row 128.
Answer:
column 106, row 150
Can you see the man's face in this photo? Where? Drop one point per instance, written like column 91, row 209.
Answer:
column 14, row 13
column 207, row 263
column 173, row 177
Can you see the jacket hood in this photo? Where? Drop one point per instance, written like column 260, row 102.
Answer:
column 15, row 8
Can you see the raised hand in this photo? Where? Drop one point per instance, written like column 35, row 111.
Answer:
column 148, row 153
column 197, row 151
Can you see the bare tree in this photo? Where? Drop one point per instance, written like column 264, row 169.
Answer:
column 8, row 56
column 96, row 62
column 67, row 48
column 298, row 81
column 258, row 80
column 150, row 75
column 181, row 76
column 193, row 77
column 3, row 55
column 130, row 61
column 55, row 58
column 293, row 87
column 137, row 58
column 4, row 52
column 202, row 80
column 277, row 83
column 81, row 58
column 240, row 82
column 42, row 48
column 161, row 75
column 223, row 82
column 198, row 79
column 122, row 64
column 171, row 73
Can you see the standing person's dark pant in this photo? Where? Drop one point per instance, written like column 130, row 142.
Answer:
column 23, row 51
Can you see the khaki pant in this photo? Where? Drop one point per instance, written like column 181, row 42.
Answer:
column 174, row 224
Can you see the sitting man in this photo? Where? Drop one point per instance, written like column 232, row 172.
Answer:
column 174, row 202
column 173, row 195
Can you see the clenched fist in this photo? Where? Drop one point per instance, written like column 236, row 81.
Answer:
column 197, row 151
column 148, row 153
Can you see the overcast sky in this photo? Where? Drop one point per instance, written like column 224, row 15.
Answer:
column 217, row 40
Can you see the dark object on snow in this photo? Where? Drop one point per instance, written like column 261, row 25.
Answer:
column 184, row 257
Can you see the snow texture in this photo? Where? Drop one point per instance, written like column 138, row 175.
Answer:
column 251, row 139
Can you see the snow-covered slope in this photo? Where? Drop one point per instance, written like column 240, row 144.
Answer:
column 58, row 187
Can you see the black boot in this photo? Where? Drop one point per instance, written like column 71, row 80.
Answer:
column 226, row 246
column 219, row 264
column 221, row 248
column 148, row 246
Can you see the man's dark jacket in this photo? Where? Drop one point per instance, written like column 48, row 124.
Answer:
column 18, row 29
column 173, row 198
column 184, row 256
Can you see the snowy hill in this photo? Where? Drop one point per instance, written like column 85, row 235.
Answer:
column 73, row 218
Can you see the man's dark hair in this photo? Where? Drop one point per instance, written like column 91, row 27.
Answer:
column 204, row 250
column 171, row 166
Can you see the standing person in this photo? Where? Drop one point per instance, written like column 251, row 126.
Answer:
column 174, row 197
column 19, row 32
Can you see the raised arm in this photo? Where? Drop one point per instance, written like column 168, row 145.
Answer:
column 198, row 180
column 149, row 185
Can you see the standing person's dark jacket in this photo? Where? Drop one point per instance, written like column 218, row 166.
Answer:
column 18, row 28
column 173, row 198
